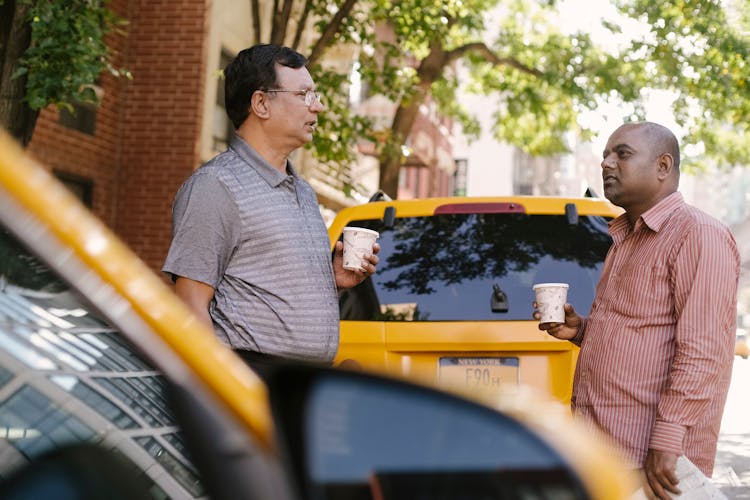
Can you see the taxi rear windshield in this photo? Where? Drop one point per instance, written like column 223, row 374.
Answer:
column 477, row 267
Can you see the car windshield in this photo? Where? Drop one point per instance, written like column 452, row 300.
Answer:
column 480, row 267
column 66, row 376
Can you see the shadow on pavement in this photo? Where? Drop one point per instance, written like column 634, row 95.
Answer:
column 732, row 468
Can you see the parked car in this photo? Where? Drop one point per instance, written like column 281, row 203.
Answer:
column 110, row 388
column 741, row 347
column 451, row 302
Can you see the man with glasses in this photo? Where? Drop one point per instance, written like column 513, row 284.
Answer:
column 250, row 253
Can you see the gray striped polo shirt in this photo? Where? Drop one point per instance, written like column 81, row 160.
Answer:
column 257, row 237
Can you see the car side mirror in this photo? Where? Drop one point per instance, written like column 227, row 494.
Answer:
column 357, row 436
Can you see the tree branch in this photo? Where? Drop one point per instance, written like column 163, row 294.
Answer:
column 280, row 21
column 256, row 20
column 490, row 57
column 274, row 25
column 301, row 25
column 326, row 38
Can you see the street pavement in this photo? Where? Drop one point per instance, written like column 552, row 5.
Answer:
column 732, row 468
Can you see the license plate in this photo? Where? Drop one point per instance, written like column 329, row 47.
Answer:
column 486, row 374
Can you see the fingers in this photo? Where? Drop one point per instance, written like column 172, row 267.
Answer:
column 373, row 259
column 554, row 329
column 368, row 265
column 661, row 485
column 660, row 474
column 370, row 261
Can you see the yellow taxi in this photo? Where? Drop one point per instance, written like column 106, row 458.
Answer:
column 111, row 389
column 451, row 302
column 741, row 347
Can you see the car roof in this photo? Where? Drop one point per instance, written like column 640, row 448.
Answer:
column 422, row 207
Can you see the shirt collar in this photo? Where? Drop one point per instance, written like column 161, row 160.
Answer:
column 653, row 218
column 656, row 216
column 268, row 172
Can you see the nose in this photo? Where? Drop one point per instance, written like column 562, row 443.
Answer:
column 607, row 162
column 317, row 106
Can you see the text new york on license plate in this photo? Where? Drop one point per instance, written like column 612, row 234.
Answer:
column 493, row 374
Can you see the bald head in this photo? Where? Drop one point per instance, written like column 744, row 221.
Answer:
column 640, row 166
column 661, row 140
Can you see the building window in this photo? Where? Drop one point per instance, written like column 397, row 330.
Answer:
column 459, row 177
column 222, row 128
column 82, row 118
column 81, row 187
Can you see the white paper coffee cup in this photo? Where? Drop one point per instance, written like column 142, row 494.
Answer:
column 550, row 301
column 358, row 242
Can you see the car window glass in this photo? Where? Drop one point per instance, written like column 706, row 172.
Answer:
column 449, row 267
column 369, row 440
column 67, row 376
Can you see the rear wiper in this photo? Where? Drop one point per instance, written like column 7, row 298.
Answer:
column 498, row 300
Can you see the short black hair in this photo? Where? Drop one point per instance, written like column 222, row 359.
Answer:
column 254, row 69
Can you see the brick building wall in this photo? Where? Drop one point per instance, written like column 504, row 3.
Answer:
column 147, row 135
column 161, row 118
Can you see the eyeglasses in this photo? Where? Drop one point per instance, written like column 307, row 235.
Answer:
column 310, row 95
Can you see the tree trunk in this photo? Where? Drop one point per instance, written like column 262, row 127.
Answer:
column 428, row 72
column 279, row 21
column 390, row 158
column 301, row 25
column 255, row 6
column 15, row 36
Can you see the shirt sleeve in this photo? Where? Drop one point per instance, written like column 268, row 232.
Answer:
column 205, row 230
column 706, row 272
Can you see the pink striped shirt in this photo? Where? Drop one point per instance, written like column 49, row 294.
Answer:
column 657, row 348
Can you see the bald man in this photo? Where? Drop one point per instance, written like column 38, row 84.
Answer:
column 658, row 345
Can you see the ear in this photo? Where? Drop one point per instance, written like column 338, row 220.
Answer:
column 259, row 104
column 665, row 166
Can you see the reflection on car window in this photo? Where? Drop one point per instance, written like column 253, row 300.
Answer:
column 67, row 376
column 96, row 401
column 5, row 376
column 49, row 427
column 161, row 454
column 360, row 439
column 448, row 267
column 141, row 396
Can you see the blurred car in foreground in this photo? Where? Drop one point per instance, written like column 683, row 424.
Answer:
column 451, row 302
column 111, row 389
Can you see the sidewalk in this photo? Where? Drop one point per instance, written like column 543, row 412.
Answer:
column 732, row 469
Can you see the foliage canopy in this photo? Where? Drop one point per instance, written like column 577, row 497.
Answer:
column 412, row 52
column 53, row 54
column 542, row 77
